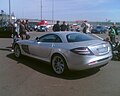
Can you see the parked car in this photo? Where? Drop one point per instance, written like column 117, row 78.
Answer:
column 6, row 32
column 66, row 50
column 98, row 30
column 41, row 29
column 31, row 27
column 118, row 29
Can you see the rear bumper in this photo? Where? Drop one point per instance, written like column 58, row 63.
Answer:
column 88, row 62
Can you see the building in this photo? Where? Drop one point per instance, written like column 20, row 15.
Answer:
column 5, row 19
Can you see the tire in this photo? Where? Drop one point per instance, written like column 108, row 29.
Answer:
column 17, row 51
column 59, row 65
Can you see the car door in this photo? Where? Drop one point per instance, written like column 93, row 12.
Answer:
column 43, row 46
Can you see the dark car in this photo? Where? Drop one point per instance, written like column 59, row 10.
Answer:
column 99, row 30
column 118, row 29
column 31, row 28
column 6, row 31
column 41, row 29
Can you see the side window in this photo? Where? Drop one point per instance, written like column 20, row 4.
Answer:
column 52, row 38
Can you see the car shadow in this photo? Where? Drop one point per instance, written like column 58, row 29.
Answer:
column 8, row 48
column 5, row 49
column 45, row 68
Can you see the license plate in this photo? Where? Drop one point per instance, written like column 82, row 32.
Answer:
column 102, row 50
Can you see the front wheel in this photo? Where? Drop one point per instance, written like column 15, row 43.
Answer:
column 17, row 51
column 59, row 65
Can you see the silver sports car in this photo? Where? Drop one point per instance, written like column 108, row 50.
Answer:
column 66, row 50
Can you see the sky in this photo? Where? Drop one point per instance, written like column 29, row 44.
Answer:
column 69, row 10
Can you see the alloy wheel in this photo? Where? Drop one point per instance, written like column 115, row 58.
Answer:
column 17, row 51
column 58, row 64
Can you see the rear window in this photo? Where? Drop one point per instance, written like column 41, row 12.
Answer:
column 78, row 37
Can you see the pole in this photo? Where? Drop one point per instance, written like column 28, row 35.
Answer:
column 41, row 10
column 9, row 11
column 52, row 11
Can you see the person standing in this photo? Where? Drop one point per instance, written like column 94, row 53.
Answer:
column 56, row 26
column 68, row 27
column 22, row 30
column 86, row 27
column 63, row 26
column 117, row 37
column 26, row 24
column 16, row 32
column 112, row 35
column 115, row 28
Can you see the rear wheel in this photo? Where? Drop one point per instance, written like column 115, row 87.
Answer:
column 17, row 51
column 59, row 65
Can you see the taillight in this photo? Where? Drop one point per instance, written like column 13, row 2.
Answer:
column 82, row 51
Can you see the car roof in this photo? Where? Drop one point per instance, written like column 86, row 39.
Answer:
column 63, row 32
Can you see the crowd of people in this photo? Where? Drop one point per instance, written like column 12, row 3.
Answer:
column 62, row 27
column 66, row 27
column 20, row 31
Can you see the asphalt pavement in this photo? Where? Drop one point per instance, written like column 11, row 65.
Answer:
column 31, row 77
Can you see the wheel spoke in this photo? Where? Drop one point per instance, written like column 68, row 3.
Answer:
column 62, row 66
column 60, row 70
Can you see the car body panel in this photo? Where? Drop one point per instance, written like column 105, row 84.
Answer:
column 45, row 50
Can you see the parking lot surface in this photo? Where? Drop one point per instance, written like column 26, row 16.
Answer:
column 31, row 77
